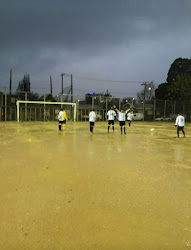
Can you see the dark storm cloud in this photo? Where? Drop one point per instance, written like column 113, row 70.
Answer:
column 39, row 36
column 75, row 24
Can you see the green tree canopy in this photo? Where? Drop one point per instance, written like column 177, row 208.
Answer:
column 180, row 89
column 178, row 82
column 161, row 92
column 179, row 67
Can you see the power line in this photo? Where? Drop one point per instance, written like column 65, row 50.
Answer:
column 105, row 80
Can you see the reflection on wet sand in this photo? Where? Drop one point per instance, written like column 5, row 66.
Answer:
column 75, row 190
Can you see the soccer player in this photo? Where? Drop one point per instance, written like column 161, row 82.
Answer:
column 130, row 117
column 62, row 119
column 180, row 121
column 111, row 114
column 92, row 118
column 121, row 118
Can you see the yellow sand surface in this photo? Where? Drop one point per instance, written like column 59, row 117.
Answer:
column 76, row 190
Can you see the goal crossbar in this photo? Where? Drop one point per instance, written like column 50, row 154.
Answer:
column 42, row 102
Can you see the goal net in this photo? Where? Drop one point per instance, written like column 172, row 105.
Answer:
column 44, row 111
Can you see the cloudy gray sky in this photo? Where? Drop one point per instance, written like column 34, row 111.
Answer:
column 128, row 40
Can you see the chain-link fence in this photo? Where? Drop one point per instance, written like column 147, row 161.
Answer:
column 143, row 110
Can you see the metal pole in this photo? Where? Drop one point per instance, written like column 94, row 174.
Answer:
column 44, row 107
column 132, row 102
column 106, row 104
column 76, row 109
column 10, row 83
column 5, row 105
column 50, row 85
column 25, row 106
column 144, row 100
column 164, row 108
column 74, row 112
column 17, row 111
column 71, row 110
column 62, row 90
column 71, row 89
column 154, row 109
column 1, row 105
column 119, row 104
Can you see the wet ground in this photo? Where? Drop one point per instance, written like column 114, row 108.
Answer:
column 75, row 190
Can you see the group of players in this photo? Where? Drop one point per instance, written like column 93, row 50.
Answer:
column 111, row 116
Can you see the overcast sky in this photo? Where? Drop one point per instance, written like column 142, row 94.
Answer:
column 127, row 40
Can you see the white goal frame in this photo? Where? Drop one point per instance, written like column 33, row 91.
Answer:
column 42, row 102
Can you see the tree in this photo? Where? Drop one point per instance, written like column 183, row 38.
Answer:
column 149, row 92
column 161, row 92
column 180, row 66
column 180, row 89
column 177, row 82
column 24, row 84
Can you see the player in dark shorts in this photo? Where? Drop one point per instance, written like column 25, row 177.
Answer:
column 121, row 118
column 92, row 118
column 180, row 123
column 111, row 114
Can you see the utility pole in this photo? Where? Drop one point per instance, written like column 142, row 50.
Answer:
column 145, row 84
column 51, row 85
column 71, row 89
column 10, row 92
column 10, row 82
column 29, row 84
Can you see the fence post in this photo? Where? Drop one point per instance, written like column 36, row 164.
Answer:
column 77, row 108
column 154, row 110
column 165, row 109
column 10, row 108
column 144, row 109
column 25, row 106
column 5, row 105
column 44, row 108
column 1, row 106
column 106, row 104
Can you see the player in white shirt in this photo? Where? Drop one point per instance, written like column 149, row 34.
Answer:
column 130, row 117
column 92, row 118
column 122, row 118
column 62, row 119
column 111, row 114
column 180, row 122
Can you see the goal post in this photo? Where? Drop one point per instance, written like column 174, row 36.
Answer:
column 44, row 103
